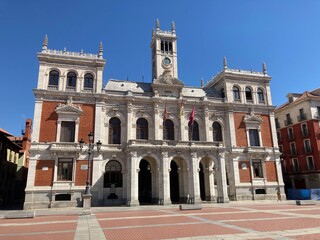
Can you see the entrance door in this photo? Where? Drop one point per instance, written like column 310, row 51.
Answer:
column 201, row 181
column 145, row 193
column 174, row 183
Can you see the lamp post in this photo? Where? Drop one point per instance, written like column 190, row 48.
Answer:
column 90, row 151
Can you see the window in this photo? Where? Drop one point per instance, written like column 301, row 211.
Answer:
column 142, row 129
column 222, row 93
column 71, row 80
column 318, row 112
column 254, row 137
column 293, row 149
column 67, row 133
column 65, row 168
column 307, row 146
column 277, row 123
column 260, row 95
column 310, row 163
column 304, row 129
column 168, row 130
column 248, row 94
column 166, row 47
column 88, row 81
column 302, row 115
column 194, row 131
column 217, row 132
column 288, row 120
column 295, row 165
column 236, row 93
column 53, row 78
column 114, row 131
column 257, row 169
column 280, row 148
column 290, row 134
column 279, row 136
column 113, row 174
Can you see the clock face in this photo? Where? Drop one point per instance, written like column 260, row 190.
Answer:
column 166, row 61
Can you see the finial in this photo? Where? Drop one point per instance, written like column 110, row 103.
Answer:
column 202, row 82
column 100, row 50
column 157, row 25
column 152, row 31
column 45, row 43
column 173, row 27
column 264, row 68
column 225, row 64
column 64, row 49
column 81, row 51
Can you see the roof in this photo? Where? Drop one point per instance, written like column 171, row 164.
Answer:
column 124, row 86
column 5, row 132
column 301, row 97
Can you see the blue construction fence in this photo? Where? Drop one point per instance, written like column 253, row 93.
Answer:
column 303, row 194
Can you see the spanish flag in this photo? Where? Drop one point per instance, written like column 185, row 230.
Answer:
column 191, row 118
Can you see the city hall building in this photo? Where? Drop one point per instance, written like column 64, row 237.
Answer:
column 162, row 142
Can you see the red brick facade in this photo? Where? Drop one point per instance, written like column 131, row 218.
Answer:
column 271, row 171
column 245, row 174
column 44, row 173
column 81, row 175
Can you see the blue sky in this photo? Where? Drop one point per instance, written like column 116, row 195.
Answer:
column 284, row 34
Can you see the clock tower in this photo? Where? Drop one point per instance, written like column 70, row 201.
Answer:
column 164, row 52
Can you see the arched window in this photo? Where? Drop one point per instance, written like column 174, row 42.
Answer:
column 236, row 93
column 260, row 95
column 113, row 174
column 142, row 129
column 248, row 94
column 194, row 131
column 217, row 132
column 168, row 130
column 114, row 131
column 88, row 81
column 53, row 78
column 71, row 80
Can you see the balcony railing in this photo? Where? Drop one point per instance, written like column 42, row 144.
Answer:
column 302, row 117
column 288, row 121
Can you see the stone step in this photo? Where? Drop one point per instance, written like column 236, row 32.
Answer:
column 190, row 206
column 19, row 214
column 306, row 202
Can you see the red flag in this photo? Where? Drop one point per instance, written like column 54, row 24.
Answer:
column 165, row 114
column 191, row 118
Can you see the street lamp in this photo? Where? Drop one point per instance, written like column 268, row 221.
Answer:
column 90, row 151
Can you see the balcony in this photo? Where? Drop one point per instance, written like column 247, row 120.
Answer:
column 278, row 125
column 288, row 121
column 302, row 117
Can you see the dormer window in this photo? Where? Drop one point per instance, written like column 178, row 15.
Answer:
column 71, row 80
column 53, row 79
column 88, row 81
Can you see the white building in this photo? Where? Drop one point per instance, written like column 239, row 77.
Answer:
column 148, row 154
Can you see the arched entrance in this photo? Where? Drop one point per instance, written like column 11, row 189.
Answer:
column 202, row 183
column 145, row 183
column 174, row 183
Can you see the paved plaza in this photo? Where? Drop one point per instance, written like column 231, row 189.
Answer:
column 244, row 220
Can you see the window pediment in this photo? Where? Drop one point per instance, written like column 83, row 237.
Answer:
column 252, row 119
column 68, row 108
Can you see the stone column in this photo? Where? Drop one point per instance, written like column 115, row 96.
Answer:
column 58, row 130
column 97, row 179
column 221, row 180
column 129, row 121
column 194, row 184
column 207, row 127
column 157, row 128
column 164, row 183
column 132, row 184
column 209, row 184
column 232, row 130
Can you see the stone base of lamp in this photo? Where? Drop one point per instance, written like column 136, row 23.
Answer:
column 86, row 199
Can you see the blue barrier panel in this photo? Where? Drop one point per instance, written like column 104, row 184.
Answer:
column 315, row 194
column 299, row 194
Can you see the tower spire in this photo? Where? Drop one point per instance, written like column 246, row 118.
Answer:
column 100, row 50
column 264, row 68
column 225, row 64
column 157, row 25
column 45, row 42
column 173, row 27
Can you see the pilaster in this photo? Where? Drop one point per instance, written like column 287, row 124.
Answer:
column 164, row 194
column 222, row 180
column 37, row 120
column 132, row 187
column 194, row 185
